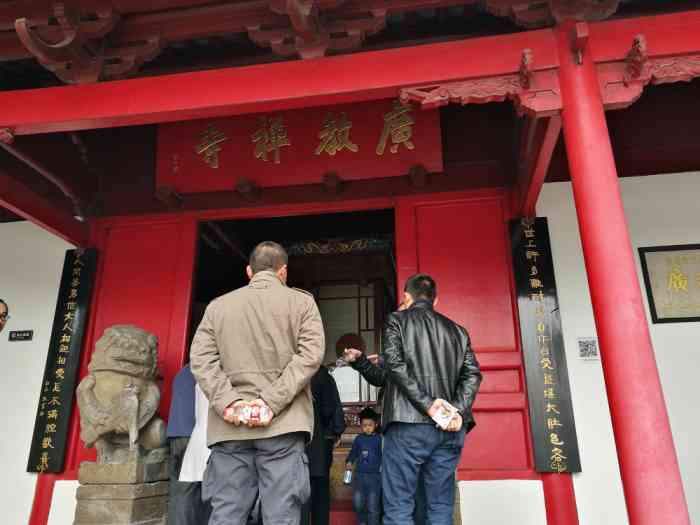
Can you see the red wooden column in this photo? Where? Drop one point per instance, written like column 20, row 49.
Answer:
column 648, row 463
column 560, row 499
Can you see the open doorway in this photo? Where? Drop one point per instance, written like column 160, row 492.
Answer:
column 346, row 260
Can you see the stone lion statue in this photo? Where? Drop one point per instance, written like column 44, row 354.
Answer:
column 119, row 397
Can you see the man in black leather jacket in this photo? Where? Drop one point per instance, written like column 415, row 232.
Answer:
column 428, row 360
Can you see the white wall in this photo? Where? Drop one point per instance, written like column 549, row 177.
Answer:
column 502, row 502
column 660, row 210
column 31, row 261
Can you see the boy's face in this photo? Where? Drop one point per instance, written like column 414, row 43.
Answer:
column 368, row 426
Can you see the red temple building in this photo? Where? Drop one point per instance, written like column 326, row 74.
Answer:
column 374, row 139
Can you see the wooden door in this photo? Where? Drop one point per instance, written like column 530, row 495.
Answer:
column 461, row 240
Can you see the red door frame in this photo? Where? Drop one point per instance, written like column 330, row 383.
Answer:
column 180, row 315
column 406, row 253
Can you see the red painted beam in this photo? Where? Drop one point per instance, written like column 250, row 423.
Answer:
column 673, row 34
column 270, row 87
column 295, row 84
column 22, row 201
column 531, row 180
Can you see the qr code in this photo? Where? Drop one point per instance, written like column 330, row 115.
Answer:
column 588, row 348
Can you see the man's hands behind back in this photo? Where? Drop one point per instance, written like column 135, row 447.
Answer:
column 455, row 423
column 253, row 414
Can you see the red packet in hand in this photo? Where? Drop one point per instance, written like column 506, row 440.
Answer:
column 256, row 413
column 444, row 415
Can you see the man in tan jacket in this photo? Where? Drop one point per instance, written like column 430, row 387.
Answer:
column 259, row 346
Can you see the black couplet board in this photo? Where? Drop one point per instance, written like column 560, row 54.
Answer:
column 48, row 448
column 549, row 396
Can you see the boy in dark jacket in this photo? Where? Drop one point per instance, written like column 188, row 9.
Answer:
column 366, row 456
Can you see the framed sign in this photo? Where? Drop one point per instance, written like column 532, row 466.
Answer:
column 672, row 280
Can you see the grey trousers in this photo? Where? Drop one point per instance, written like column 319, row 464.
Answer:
column 275, row 468
column 185, row 505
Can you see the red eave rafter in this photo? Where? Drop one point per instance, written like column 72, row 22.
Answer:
column 23, row 201
column 531, row 179
column 343, row 79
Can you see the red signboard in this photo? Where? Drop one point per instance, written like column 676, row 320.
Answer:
column 357, row 141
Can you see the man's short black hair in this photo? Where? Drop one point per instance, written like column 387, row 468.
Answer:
column 421, row 286
column 268, row 255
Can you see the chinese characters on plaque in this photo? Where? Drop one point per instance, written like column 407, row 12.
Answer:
column 398, row 124
column 62, row 363
column 269, row 138
column 334, row 136
column 672, row 279
column 551, row 415
column 210, row 145
column 357, row 141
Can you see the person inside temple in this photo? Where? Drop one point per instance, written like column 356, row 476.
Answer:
column 366, row 459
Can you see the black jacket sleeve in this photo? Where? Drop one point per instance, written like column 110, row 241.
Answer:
column 469, row 377
column 324, row 390
column 373, row 374
column 337, row 426
column 398, row 371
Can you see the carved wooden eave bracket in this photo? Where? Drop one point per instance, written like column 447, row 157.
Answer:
column 79, row 48
column 622, row 82
column 534, row 93
column 544, row 13
column 7, row 135
column 310, row 34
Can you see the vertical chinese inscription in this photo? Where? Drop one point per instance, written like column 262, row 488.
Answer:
column 270, row 136
column 551, row 415
column 62, row 364
column 547, row 365
column 210, row 145
column 335, row 136
column 398, row 125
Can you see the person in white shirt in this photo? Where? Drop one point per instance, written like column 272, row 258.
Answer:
column 194, row 462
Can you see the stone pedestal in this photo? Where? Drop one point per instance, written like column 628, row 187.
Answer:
column 111, row 504
column 137, row 471
column 131, row 493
